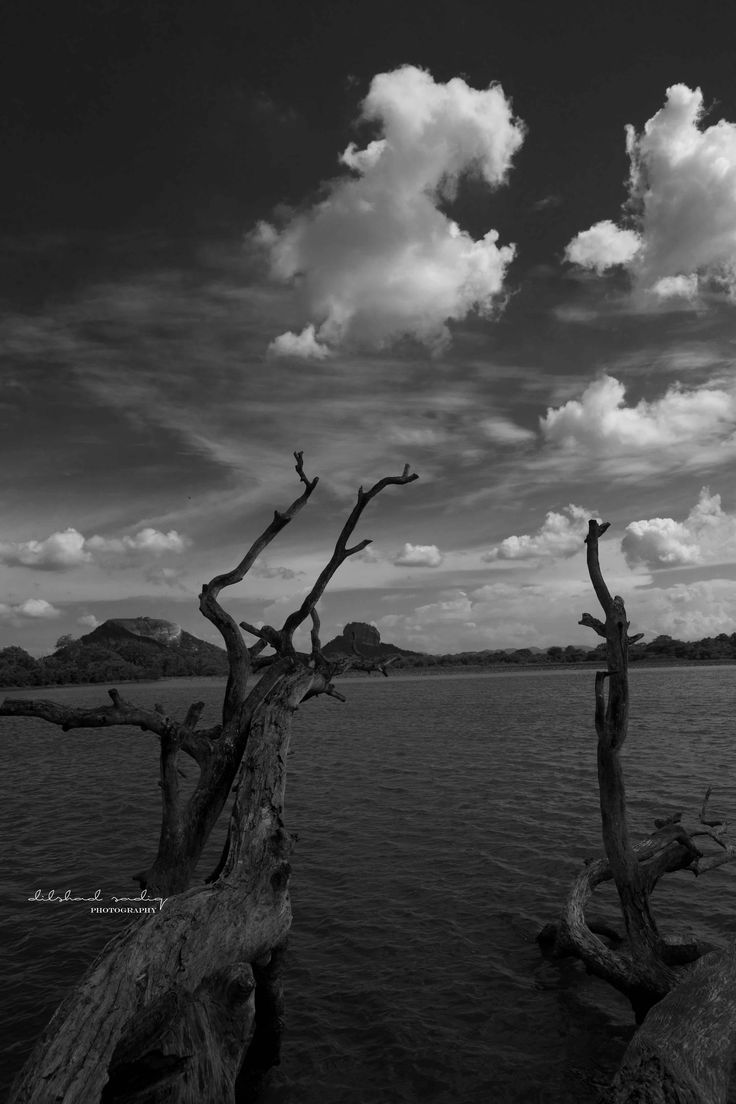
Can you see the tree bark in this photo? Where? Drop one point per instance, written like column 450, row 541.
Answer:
column 684, row 1000
column 684, row 1052
column 173, row 1006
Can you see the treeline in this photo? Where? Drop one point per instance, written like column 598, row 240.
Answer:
column 81, row 662
column 719, row 649
column 142, row 659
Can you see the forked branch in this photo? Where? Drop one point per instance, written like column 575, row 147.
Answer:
column 239, row 656
column 342, row 551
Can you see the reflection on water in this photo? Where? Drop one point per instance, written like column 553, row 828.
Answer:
column 440, row 821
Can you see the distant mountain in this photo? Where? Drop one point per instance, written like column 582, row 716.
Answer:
column 119, row 650
column 125, row 649
column 367, row 640
column 165, row 632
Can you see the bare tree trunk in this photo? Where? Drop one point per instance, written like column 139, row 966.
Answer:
column 173, row 1006
column 683, row 1053
column 685, row 1049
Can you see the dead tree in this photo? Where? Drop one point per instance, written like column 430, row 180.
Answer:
column 176, row 1004
column 685, row 997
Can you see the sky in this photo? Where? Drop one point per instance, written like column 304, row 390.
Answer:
column 494, row 242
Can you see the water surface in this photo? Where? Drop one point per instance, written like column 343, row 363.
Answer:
column 440, row 822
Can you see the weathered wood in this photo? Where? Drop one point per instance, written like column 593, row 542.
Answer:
column 684, row 998
column 167, row 1012
column 684, row 1052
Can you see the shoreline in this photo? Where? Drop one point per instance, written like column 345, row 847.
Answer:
column 400, row 672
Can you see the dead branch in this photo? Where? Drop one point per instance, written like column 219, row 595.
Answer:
column 341, row 552
column 196, row 744
column 195, row 982
column 650, row 970
column 239, row 657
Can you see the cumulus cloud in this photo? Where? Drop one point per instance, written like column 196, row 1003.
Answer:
column 603, row 246
column 495, row 615
column 304, row 346
column 88, row 621
column 419, row 555
column 692, row 428
column 560, row 535
column 55, row 553
column 68, row 549
column 32, row 609
column 681, row 211
column 688, row 611
column 148, row 540
column 377, row 259
column 706, row 536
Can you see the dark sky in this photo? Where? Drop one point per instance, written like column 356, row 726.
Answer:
column 142, row 396
column 199, row 116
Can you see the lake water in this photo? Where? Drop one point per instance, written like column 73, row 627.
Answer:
column 440, row 820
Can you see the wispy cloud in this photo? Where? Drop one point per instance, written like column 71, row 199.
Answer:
column 377, row 258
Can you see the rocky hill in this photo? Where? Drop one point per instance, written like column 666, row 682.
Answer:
column 367, row 640
column 119, row 650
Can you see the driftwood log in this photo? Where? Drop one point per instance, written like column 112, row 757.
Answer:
column 683, row 998
column 181, row 1002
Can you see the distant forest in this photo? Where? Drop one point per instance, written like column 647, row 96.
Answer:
column 122, row 660
column 139, row 658
column 716, row 649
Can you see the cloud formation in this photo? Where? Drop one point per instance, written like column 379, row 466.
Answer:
column 560, row 535
column 88, row 621
column 303, row 346
column 68, row 549
column 32, row 609
column 603, row 246
column 681, row 211
column 503, row 431
column 688, row 428
column 376, row 258
column 706, row 536
column 419, row 555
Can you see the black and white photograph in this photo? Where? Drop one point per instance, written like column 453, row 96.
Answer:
column 367, row 552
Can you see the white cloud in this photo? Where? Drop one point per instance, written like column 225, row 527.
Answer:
column 377, row 259
column 417, row 436
column 560, row 535
column 673, row 287
column 304, row 345
column 603, row 246
column 505, row 432
column 31, row 609
column 682, row 204
column 88, row 621
column 688, row 428
column 68, row 549
column 492, row 616
column 55, row 553
column 688, row 611
column 148, row 540
column 419, row 555
column 706, row 536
